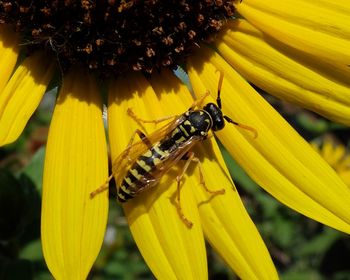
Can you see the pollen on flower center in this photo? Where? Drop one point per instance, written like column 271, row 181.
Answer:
column 116, row 36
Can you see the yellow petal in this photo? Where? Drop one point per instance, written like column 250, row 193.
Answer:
column 278, row 159
column 287, row 73
column 345, row 175
column 320, row 28
column 73, row 225
column 227, row 225
column 166, row 244
column 22, row 95
column 8, row 54
column 224, row 219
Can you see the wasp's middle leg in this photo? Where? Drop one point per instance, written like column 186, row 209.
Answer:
column 143, row 138
column 189, row 158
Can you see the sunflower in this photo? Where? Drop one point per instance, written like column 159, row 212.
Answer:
column 296, row 50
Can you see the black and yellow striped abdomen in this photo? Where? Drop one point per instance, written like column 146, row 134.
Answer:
column 144, row 171
column 141, row 173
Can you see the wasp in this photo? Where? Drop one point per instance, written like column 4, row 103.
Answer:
column 142, row 164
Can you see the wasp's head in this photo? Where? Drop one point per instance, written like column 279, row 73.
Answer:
column 216, row 115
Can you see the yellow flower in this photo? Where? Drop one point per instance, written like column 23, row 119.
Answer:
column 336, row 155
column 296, row 50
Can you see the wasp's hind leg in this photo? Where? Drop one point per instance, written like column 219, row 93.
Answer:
column 116, row 164
column 189, row 157
column 102, row 188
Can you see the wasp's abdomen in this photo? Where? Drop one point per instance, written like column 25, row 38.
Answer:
column 140, row 175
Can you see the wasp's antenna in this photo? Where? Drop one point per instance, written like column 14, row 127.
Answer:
column 251, row 129
column 221, row 79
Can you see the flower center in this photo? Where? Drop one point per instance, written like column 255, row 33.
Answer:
column 116, row 36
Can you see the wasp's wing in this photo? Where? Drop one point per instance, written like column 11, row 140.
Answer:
column 125, row 160
column 164, row 166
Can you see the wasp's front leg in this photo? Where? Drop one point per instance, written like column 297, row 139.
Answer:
column 198, row 103
column 137, row 119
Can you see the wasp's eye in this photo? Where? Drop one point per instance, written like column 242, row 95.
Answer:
column 216, row 115
column 218, row 123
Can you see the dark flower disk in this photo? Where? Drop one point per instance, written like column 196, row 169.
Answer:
column 116, row 36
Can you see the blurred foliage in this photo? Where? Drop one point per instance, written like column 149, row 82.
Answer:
column 301, row 248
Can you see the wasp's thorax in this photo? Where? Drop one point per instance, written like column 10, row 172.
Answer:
column 198, row 122
column 216, row 115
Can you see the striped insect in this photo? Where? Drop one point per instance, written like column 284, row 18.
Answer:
column 142, row 164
